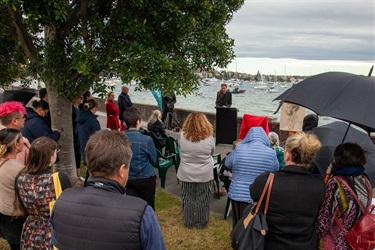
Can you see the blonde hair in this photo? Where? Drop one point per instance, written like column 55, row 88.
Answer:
column 197, row 127
column 8, row 137
column 303, row 148
column 274, row 138
column 154, row 116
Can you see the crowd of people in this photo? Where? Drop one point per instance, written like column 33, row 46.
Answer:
column 117, row 203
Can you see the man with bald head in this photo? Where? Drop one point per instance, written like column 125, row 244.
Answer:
column 124, row 103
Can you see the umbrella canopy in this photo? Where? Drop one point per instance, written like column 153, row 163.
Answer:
column 24, row 95
column 339, row 95
column 331, row 135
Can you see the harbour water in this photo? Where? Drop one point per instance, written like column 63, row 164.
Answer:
column 253, row 101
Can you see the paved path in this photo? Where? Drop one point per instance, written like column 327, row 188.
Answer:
column 217, row 206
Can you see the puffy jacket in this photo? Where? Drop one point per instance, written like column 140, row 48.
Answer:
column 99, row 216
column 248, row 160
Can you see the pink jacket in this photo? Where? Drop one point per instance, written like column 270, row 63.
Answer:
column 22, row 156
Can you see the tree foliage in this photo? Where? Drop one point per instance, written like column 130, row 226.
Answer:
column 158, row 43
column 72, row 45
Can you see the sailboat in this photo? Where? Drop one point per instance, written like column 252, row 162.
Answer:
column 272, row 87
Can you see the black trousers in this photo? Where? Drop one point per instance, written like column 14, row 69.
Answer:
column 11, row 229
column 143, row 188
column 238, row 208
column 167, row 119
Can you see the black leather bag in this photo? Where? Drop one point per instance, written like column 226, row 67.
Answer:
column 250, row 231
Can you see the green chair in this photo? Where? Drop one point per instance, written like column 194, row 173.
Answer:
column 163, row 163
column 174, row 148
column 217, row 161
column 155, row 139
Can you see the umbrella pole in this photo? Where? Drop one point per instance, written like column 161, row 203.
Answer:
column 346, row 132
column 371, row 69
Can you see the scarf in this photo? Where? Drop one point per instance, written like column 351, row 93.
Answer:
column 352, row 170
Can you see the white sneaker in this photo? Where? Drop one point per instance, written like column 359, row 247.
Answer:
column 81, row 178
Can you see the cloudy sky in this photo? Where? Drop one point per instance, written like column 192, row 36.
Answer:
column 304, row 36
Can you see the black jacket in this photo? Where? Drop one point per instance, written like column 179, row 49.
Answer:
column 99, row 216
column 224, row 100
column 294, row 204
column 158, row 128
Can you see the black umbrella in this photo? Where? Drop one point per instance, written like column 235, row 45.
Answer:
column 340, row 95
column 330, row 136
column 24, row 95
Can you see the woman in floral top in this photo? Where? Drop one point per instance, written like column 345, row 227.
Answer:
column 36, row 190
column 349, row 161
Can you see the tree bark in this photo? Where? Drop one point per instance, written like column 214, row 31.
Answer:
column 26, row 40
column 61, row 116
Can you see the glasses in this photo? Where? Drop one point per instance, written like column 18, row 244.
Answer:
column 57, row 150
column 23, row 117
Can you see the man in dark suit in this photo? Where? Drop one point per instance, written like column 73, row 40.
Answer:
column 124, row 103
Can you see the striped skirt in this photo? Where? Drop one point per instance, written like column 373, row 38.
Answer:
column 195, row 203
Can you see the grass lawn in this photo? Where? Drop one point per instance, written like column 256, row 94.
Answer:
column 176, row 236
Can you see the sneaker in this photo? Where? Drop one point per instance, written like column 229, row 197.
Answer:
column 81, row 178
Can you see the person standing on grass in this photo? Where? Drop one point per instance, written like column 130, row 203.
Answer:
column 87, row 124
column 142, row 178
column 35, row 188
column 250, row 158
column 13, row 115
column 348, row 164
column 102, row 215
column 124, row 103
column 12, row 216
column 36, row 126
column 77, row 148
column 195, row 171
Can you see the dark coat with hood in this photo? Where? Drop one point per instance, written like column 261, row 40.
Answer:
column 87, row 124
column 294, row 204
column 36, row 126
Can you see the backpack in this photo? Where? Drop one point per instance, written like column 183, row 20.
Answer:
column 362, row 234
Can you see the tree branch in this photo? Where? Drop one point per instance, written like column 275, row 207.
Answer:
column 85, row 33
column 23, row 35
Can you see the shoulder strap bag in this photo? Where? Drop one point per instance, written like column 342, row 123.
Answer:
column 362, row 234
column 58, row 190
column 250, row 231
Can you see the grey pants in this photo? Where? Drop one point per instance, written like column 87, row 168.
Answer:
column 195, row 203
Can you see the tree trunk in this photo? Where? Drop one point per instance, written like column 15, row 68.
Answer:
column 61, row 116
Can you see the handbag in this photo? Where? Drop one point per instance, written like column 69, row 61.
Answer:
column 58, row 190
column 362, row 234
column 250, row 231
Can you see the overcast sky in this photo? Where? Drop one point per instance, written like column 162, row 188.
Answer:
column 304, row 32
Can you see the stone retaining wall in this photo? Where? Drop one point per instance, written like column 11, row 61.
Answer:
column 181, row 114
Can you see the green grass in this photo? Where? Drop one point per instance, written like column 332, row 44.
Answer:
column 176, row 236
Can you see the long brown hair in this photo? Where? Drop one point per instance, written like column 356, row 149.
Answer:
column 197, row 127
column 39, row 158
